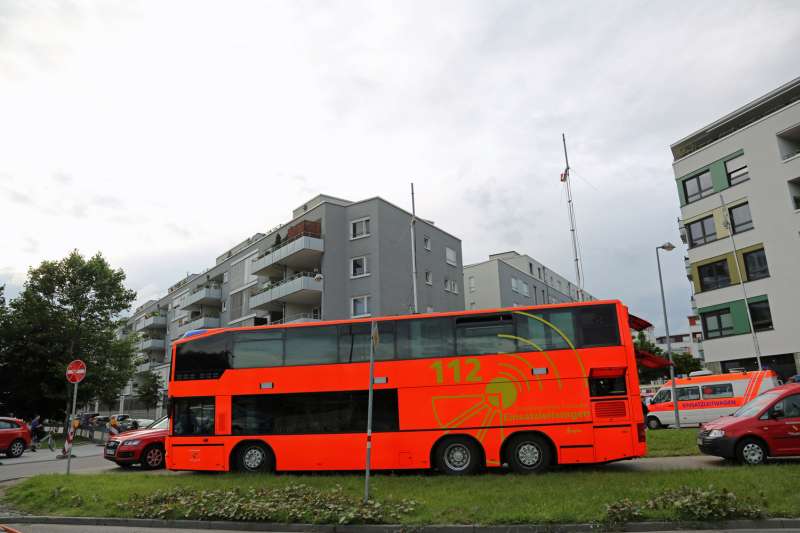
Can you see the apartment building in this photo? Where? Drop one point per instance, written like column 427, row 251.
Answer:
column 512, row 279
column 680, row 343
column 334, row 259
column 738, row 182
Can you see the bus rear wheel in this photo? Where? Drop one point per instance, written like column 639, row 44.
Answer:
column 457, row 456
column 529, row 454
column 253, row 457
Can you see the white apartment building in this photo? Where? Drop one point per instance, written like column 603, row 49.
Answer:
column 738, row 182
column 511, row 279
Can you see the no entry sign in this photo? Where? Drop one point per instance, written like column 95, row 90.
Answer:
column 76, row 371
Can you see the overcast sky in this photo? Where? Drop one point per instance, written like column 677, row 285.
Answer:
column 163, row 133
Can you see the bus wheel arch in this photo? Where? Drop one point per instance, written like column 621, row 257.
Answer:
column 457, row 454
column 528, row 452
column 252, row 456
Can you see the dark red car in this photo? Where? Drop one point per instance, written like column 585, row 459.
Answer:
column 767, row 426
column 141, row 446
column 15, row 436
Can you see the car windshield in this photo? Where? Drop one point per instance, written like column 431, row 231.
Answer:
column 754, row 406
column 160, row 424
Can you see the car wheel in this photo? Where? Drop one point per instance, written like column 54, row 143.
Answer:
column 16, row 449
column 152, row 457
column 253, row 457
column 528, row 454
column 751, row 452
column 457, row 456
column 653, row 422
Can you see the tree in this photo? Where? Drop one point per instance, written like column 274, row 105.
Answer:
column 148, row 390
column 68, row 309
column 685, row 363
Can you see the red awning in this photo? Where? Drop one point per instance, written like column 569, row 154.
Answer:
column 638, row 324
column 649, row 360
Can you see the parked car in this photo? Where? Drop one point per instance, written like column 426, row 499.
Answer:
column 704, row 396
column 15, row 436
column 143, row 446
column 767, row 426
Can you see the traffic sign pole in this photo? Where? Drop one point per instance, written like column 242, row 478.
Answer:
column 76, row 371
column 68, row 448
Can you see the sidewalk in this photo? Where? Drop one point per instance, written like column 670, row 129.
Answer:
column 42, row 455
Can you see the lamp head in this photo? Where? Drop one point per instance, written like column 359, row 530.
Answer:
column 667, row 246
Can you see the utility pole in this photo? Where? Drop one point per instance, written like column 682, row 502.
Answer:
column 572, row 225
column 414, row 249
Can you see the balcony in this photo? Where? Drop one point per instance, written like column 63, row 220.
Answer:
column 143, row 367
column 682, row 231
column 301, row 252
column 203, row 322
column 688, row 265
column 151, row 322
column 209, row 295
column 301, row 288
column 152, row 345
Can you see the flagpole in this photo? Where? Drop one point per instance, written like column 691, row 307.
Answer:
column 373, row 341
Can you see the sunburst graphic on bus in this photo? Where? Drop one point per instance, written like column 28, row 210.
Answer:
column 493, row 407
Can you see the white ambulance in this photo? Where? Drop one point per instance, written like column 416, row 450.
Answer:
column 704, row 396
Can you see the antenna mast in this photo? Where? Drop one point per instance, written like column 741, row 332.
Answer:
column 573, row 230
column 414, row 249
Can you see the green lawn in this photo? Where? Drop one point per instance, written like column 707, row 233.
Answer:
column 672, row 442
column 567, row 495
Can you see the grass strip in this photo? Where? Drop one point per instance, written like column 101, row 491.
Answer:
column 672, row 442
column 574, row 495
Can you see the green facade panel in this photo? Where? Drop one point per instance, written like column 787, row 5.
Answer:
column 738, row 312
column 719, row 177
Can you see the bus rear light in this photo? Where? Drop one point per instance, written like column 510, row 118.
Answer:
column 641, row 433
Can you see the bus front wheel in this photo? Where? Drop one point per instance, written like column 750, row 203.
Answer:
column 457, row 456
column 529, row 454
column 253, row 457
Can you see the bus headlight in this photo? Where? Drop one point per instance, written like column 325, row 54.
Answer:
column 716, row 433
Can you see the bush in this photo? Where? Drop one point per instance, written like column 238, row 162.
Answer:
column 295, row 503
column 690, row 504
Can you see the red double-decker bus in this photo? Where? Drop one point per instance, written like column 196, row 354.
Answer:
column 529, row 387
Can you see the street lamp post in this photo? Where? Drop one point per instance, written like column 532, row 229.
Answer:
column 668, row 247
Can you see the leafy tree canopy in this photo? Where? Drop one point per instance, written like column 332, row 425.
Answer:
column 68, row 309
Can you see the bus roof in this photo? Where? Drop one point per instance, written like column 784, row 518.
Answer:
column 209, row 332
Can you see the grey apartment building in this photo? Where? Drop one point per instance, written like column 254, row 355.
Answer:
column 738, row 182
column 511, row 279
column 334, row 259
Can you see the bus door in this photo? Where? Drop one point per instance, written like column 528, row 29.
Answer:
column 193, row 445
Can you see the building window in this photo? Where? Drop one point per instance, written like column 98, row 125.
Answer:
column 702, row 232
column 539, row 269
column 740, row 218
column 525, row 289
column 736, row 169
column 358, row 267
column 761, row 315
column 359, row 306
column 226, row 276
column 755, row 265
column 698, row 186
column 426, row 242
column 717, row 323
column 450, row 256
column 714, row 275
column 514, row 285
column 224, row 305
column 530, row 268
column 359, row 228
column 428, row 277
column 472, row 284
column 450, row 285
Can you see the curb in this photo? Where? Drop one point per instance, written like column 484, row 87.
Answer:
column 769, row 524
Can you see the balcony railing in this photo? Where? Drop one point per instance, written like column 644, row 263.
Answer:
column 302, row 251
column 203, row 295
column 151, row 345
column 301, row 288
column 151, row 322
column 203, row 322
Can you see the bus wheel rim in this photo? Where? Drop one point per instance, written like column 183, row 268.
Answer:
column 457, row 457
column 17, row 449
column 753, row 453
column 154, row 457
column 253, row 458
column 529, row 454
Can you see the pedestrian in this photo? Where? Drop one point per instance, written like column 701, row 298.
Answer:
column 36, row 431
